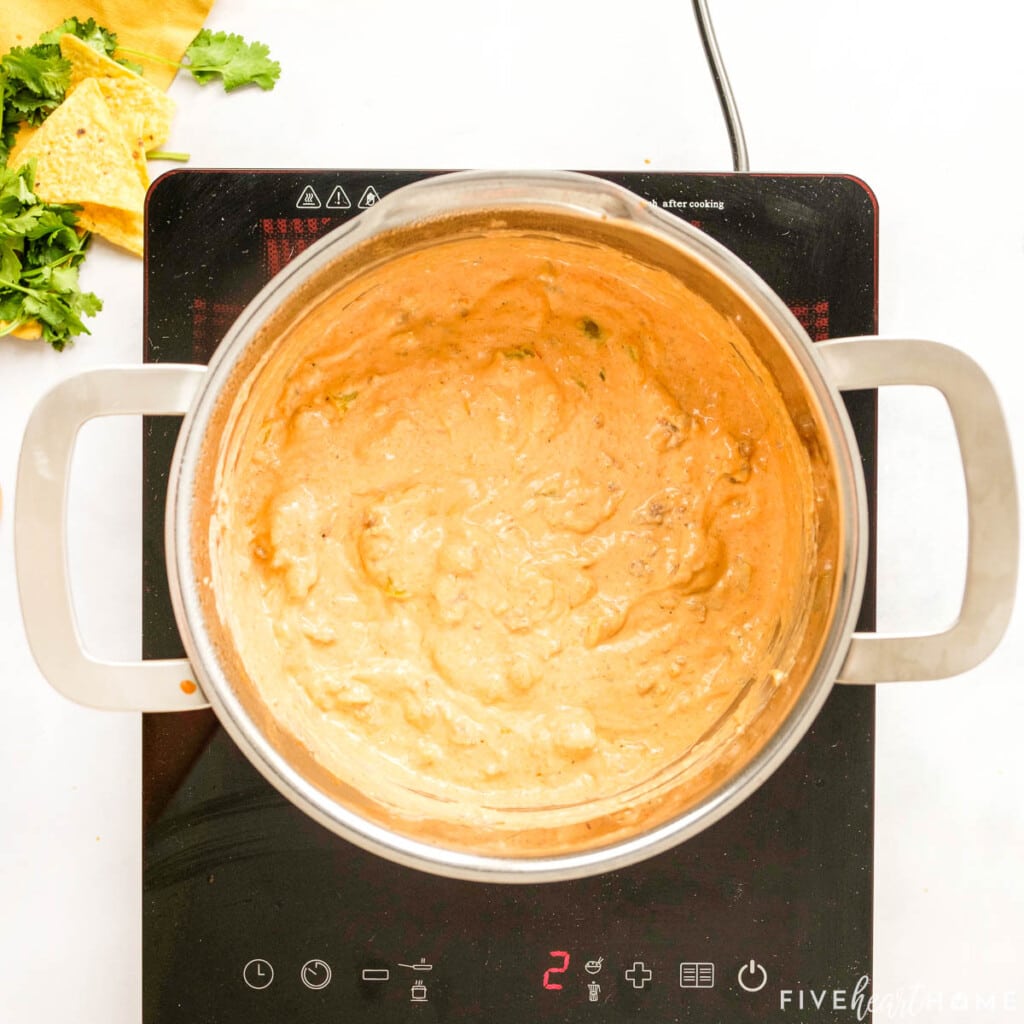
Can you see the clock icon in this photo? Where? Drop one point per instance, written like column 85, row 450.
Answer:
column 315, row 974
column 258, row 973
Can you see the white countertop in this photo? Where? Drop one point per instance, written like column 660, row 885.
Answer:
column 924, row 101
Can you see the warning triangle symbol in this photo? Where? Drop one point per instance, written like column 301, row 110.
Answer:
column 339, row 200
column 370, row 198
column 309, row 200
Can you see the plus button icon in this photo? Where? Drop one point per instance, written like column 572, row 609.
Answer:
column 639, row 974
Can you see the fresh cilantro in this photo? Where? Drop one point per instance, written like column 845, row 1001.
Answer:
column 102, row 40
column 342, row 402
column 520, row 352
column 223, row 55
column 228, row 56
column 33, row 81
column 41, row 77
column 40, row 251
column 8, row 123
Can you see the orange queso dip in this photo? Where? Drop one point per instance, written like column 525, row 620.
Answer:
column 511, row 521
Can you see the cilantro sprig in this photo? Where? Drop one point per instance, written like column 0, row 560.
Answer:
column 228, row 56
column 33, row 81
column 40, row 252
column 101, row 39
column 225, row 56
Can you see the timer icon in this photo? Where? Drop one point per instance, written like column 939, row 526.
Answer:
column 315, row 974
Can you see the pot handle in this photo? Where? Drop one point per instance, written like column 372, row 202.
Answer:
column 40, row 538
column 992, row 513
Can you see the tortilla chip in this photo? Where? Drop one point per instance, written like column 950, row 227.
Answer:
column 30, row 330
column 21, row 140
column 132, row 125
column 142, row 110
column 122, row 227
column 89, row 63
column 82, row 156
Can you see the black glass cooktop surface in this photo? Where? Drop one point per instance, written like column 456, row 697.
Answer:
column 253, row 914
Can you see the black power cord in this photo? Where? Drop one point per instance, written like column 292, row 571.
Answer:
column 722, row 86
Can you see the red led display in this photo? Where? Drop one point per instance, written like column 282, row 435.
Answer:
column 814, row 317
column 210, row 322
column 285, row 237
column 561, row 969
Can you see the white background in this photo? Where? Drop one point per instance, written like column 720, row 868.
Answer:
column 921, row 99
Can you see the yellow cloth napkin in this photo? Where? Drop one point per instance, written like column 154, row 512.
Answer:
column 164, row 29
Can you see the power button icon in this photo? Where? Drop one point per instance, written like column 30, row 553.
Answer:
column 752, row 976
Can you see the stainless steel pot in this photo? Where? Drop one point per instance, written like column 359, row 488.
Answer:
column 727, row 768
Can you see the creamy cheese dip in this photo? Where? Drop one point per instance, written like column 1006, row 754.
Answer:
column 510, row 520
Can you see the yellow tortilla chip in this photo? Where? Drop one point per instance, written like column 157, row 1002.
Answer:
column 30, row 330
column 131, row 125
column 82, row 156
column 22, row 139
column 122, row 227
column 142, row 110
column 89, row 63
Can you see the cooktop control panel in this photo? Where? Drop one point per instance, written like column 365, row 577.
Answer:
column 566, row 986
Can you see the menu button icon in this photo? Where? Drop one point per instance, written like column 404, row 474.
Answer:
column 696, row 975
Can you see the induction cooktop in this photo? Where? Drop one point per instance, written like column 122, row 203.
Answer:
column 254, row 913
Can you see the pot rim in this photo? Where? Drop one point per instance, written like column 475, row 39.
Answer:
column 590, row 197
